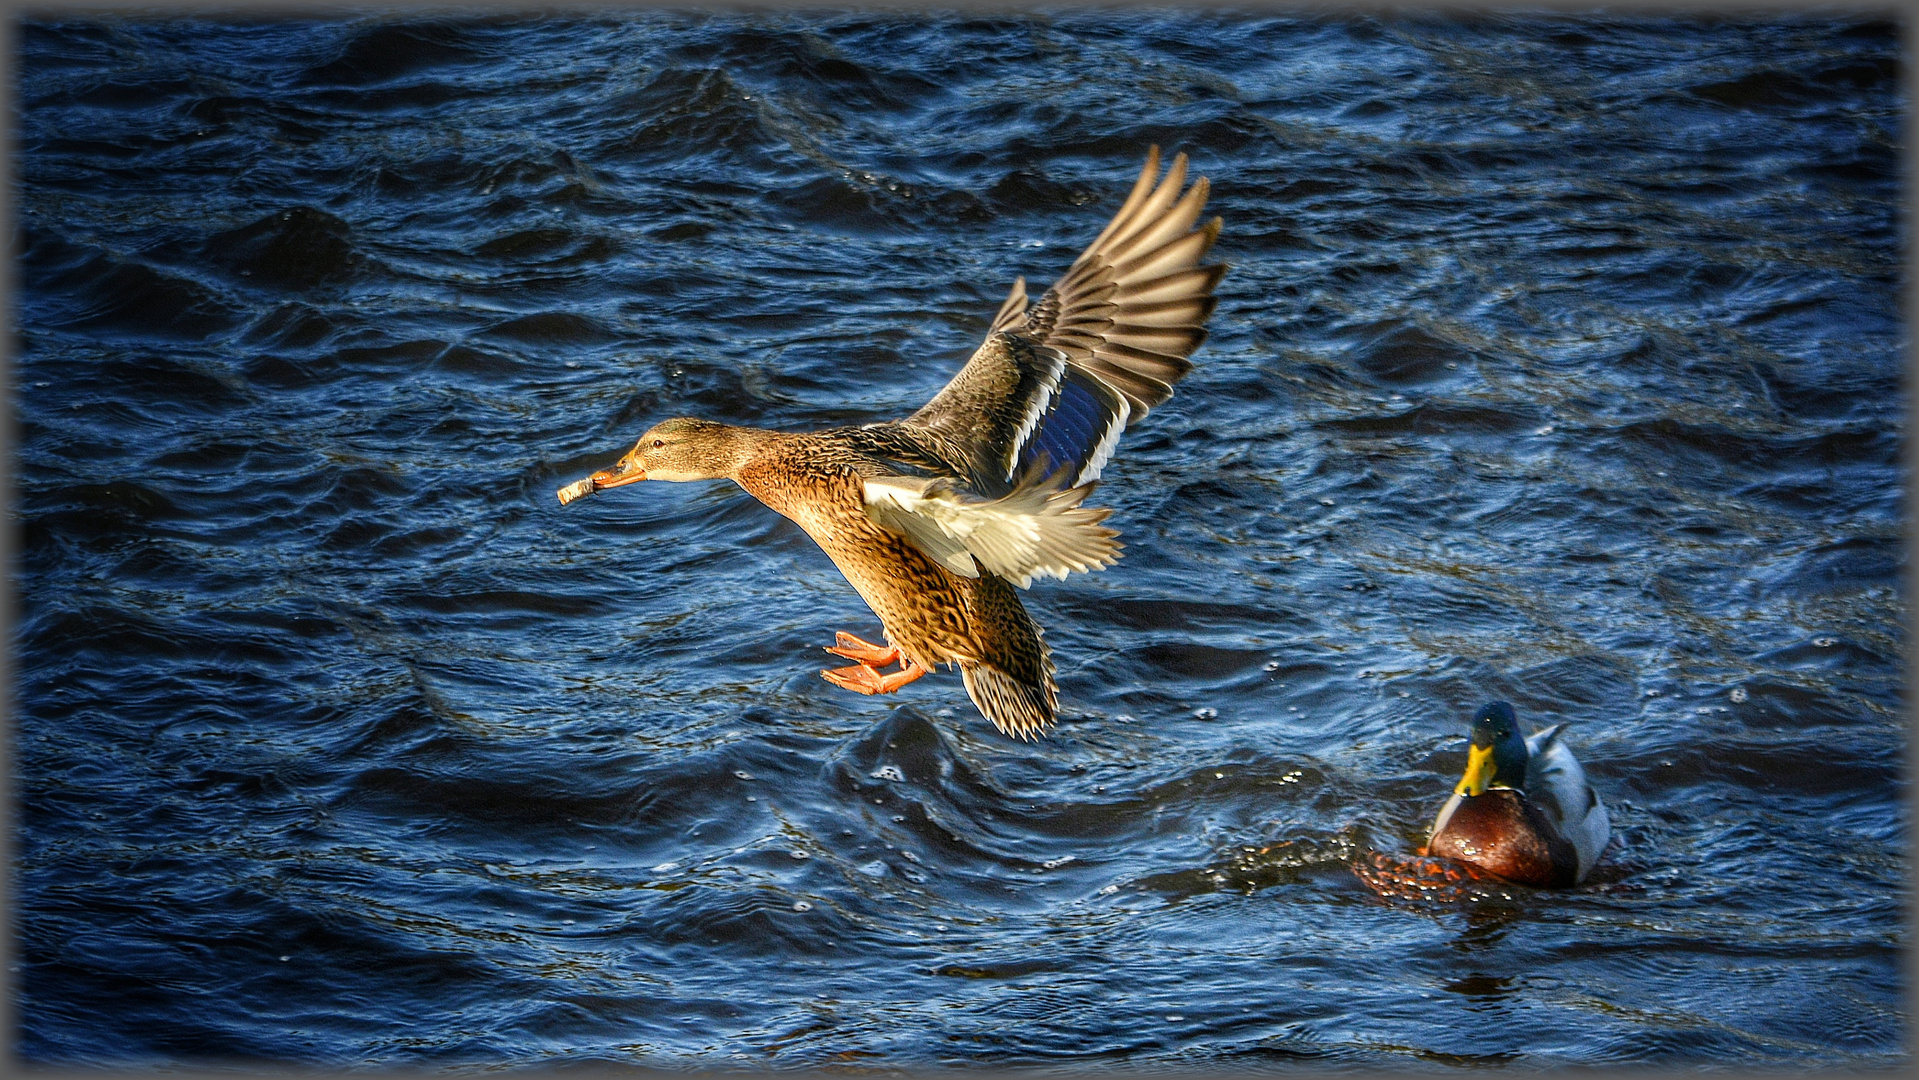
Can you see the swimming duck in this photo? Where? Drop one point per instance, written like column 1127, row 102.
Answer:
column 935, row 518
column 1524, row 810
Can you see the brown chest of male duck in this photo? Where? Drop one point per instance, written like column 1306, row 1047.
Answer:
column 935, row 518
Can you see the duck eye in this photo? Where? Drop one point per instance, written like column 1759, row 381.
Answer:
column 657, row 443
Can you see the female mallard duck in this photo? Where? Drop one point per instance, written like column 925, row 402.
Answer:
column 934, row 518
column 1524, row 810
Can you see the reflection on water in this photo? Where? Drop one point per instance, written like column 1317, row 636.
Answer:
column 1559, row 363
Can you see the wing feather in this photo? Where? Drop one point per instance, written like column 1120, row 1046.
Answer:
column 1058, row 379
column 1174, row 223
column 1188, row 311
column 1012, row 309
column 1198, row 281
column 1174, row 341
column 1149, row 211
column 1178, row 255
column 1142, row 187
column 1038, row 530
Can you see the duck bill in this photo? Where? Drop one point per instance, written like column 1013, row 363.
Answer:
column 1479, row 771
column 628, row 471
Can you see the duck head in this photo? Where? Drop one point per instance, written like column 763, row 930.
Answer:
column 1498, row 754
column 682, row 448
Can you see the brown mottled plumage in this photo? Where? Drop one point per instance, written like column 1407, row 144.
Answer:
column 932, row 615
column 935, row 518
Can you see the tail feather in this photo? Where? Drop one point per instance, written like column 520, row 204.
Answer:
column 1020, row 709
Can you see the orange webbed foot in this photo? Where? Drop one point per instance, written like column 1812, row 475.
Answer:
column 867, row 653
column 864, row 677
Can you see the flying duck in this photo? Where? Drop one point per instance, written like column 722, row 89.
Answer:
column 936, row 518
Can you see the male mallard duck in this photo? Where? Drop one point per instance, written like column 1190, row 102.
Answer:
column 1523, row 810
column 934, row 518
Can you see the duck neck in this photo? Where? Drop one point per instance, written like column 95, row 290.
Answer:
column 1510, row 760
column 732, row 448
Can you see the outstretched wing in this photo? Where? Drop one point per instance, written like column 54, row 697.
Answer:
column 1055, row 384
